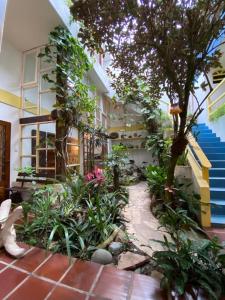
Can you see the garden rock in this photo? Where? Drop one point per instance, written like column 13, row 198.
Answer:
column 121, row 236
column 116, row 248
column 102, row 256
column 131, row 261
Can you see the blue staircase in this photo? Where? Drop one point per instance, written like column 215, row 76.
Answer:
column 214, row 149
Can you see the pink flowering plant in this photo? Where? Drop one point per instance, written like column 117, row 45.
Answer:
column 96, row 176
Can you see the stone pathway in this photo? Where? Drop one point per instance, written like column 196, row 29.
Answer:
column 142, row 225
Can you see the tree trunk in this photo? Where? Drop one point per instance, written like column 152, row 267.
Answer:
column 116, row 178
column 178, row 147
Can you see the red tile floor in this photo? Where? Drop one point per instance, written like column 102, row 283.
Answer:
column 43, row 275
column 219, row 232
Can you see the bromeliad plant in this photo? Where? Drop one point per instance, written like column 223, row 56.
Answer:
column 191, row 267
column 74, row 221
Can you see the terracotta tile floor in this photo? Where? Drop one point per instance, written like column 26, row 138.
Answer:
column 42, row 275
column 219, row 232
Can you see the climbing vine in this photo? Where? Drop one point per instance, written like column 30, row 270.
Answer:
column 73, row 103
column 74, row 107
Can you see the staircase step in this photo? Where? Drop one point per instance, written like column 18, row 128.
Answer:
column 217, row 182
column 217, row 207
column 217, row 193
column 212, row 144
column 217, row 172
column 208, row 140
column 206, row 135
column 214, row 149
column 216, row 163
column 216, row 156
column 218, row 221
column 200, row 125
column 201, row 131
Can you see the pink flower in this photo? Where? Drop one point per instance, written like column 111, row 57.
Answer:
column 95, row 176
column 89, row 177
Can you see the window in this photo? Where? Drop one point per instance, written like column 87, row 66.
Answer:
column 37, row 95
column 38, row 131
column 38, row 147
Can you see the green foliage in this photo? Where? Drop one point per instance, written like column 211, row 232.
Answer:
column 219, row 112
column 188, row 265
column 160, row 147
column 74, row 221
column 67, row 77
column 156, row 179
column 182, row 160
column 28, row 170
column 116, row 161
column 176, row 220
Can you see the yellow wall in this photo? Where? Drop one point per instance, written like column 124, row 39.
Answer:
column 16, row 101
column 10, row 99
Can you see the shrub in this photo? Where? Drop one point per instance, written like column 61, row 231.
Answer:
column 156, row 179
column 189, row 265
column 76, row 220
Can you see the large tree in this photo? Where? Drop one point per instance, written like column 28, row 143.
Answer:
column 168, row 44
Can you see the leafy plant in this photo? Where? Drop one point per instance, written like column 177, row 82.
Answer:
column 176, row 220
column 156, row 179
column 117, row 159
column 27, row 171
column 189, row 266
column 74, row 106
column 74, row 221
column 182, row 160
column 160, row 147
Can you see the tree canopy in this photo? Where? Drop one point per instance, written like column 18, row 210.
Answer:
column 167, row 44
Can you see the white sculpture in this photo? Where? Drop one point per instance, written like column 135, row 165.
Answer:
column 7, row 230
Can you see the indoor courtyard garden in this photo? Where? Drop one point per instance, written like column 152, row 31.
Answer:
column 112, row 150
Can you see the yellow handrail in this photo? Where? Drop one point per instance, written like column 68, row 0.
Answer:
column 202, row 159
column 212, row 102
column 200, row 166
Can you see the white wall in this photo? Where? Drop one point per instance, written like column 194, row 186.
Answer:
column 10, row 70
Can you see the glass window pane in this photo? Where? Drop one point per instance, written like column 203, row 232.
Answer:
column 29, row 130
column 30, row 100
column 30, row 65
column 48, row 100
column 45, row 85
column 44, row 63
column 47, row 135
column 28, row 146
column 28, row 162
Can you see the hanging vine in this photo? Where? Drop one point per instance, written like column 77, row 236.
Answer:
column 74, row 107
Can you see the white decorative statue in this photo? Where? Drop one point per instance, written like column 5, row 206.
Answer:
column 7, row 230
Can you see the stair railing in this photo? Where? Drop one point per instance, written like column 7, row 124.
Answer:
column 200, row 166
column 216, row 98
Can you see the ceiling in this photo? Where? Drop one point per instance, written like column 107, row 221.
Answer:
column 28, row 23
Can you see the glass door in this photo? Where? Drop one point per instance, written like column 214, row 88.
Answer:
column 5, row 131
